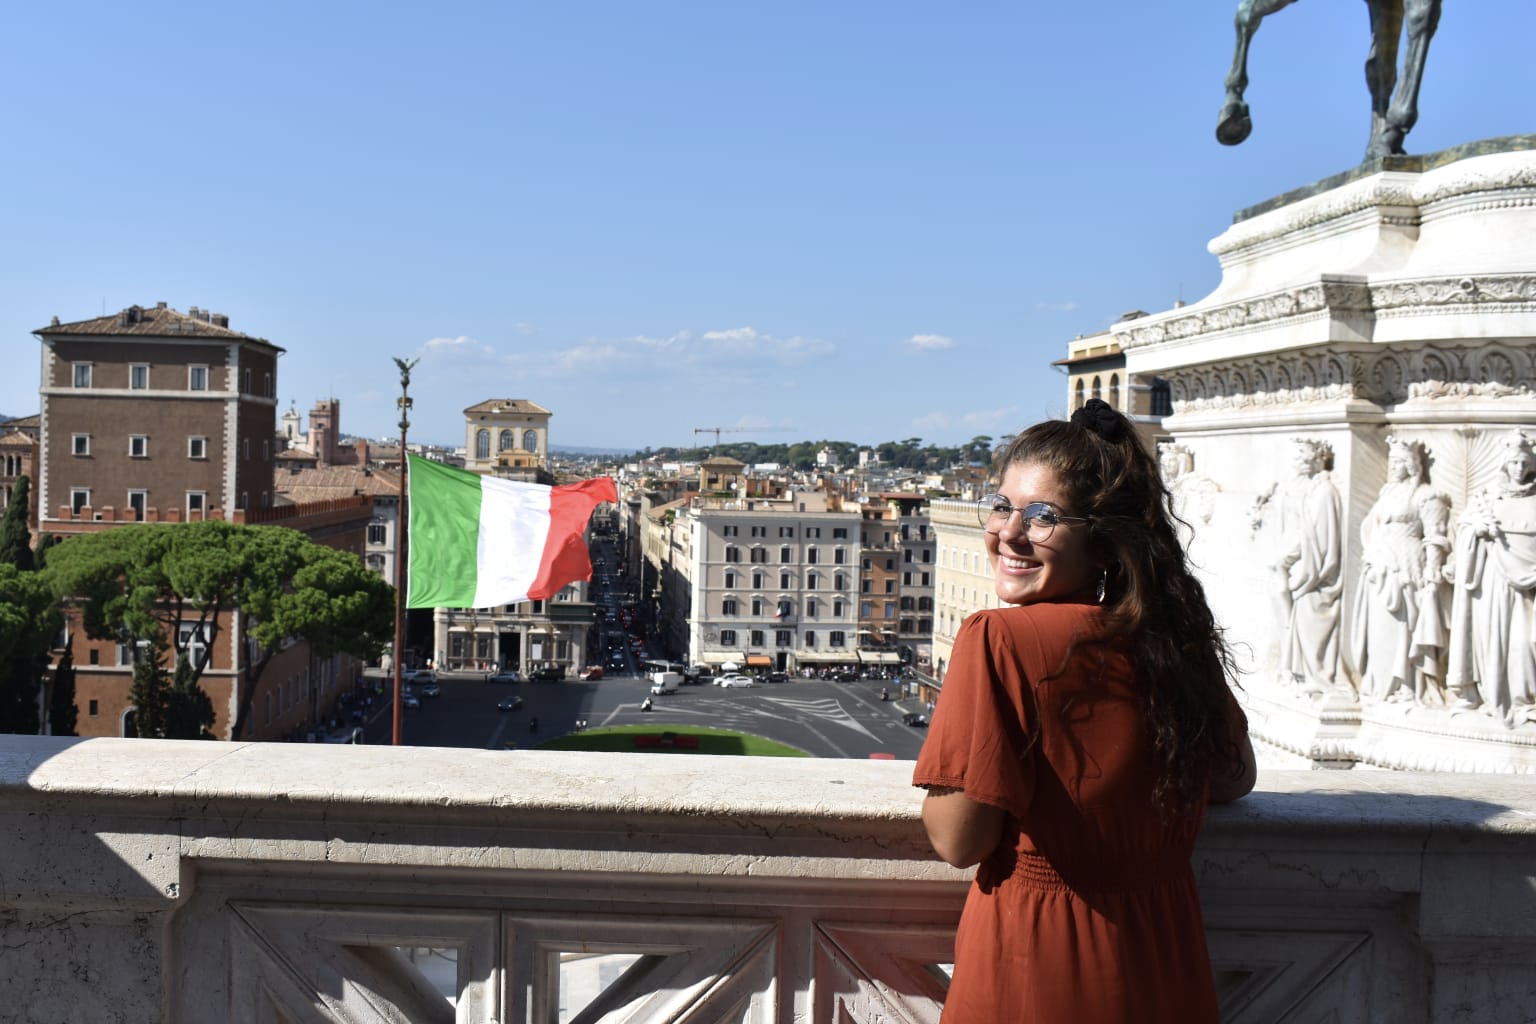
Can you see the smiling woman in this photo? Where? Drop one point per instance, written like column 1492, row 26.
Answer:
column 1078, row 736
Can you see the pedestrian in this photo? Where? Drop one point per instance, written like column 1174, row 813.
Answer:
column 1082, row 729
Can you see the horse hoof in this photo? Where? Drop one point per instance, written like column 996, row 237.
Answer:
column 1233, row 125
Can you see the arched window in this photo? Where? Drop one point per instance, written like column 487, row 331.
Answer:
column 1098, row 388
column 1114, row 390
column 530, row 440
column 504, row 440
column 482, row 444
column 1081, row 397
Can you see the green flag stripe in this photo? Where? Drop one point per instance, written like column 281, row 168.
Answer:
column 444, row 534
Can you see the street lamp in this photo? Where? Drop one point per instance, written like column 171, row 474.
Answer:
column 404, row 402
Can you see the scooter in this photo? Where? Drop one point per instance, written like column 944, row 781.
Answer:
column 646, row 704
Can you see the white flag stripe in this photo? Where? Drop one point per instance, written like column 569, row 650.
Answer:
column 514, row 525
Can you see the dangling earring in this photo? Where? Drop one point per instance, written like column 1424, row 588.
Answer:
column 1103, row 583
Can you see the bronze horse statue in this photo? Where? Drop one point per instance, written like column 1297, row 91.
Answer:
column 1392, row 113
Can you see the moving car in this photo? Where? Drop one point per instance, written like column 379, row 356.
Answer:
column 547, row 673
column 509, row 676
column 735, row 680
column 915, row 720
column 410, row 700
column 778, row 677
column 430, row 689
column 509, row 704
column 593, row 672
column 417, row 675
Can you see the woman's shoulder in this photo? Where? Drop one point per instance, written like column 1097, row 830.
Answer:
column 1047, row 624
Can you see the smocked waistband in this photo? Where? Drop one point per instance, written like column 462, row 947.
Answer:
column 1096, row 874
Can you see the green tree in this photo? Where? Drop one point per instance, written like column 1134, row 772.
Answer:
column 63, row 715
column 29, row 620
column 176, row 581
column 150, row 691
column 188, row 711
column 15, row 538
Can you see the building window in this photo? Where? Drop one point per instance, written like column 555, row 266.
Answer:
column 730, row 580
column 245, row 500
column 757, row 606
column 813, row 532
column 728, row 606
column 733, row 554
column 1098, row 388
column 245, row 448
column 758, row 579
column 197, row 501
column 138, row 376
column 839, row 582
column 810, row 638
column 760, row 555
column 836, row 638
column 812, row 555
column 865, row 584
column 728, row 638
column 482, row 444
column 79, row 498
column 784, row 556
column 730, row 531
column 1162, row 397
column 839, row 533
column 375, row 533
column 890, row 586
column 245, row 382
column 80, row 444
column 784, row 581
column 890, row 609
column 266, row 384
column 197, row 447
column 811, row 579
column 82, row 375
column 139, row 502
column 530, row 441
column 197, row 378
column 505, row 441
column 757, row 638
column 890, row 565
column 782, row 638
column 1114, row 391
column 138, row 446
column 866, row 564
column 192, row 638
column 839, row 556
column 266, row 450
column 837, row 609
column 1079, row 395
column 906, row 579
column 786, row 531
column 95, row 709
column 906, row 556
column 924, row 579
column 810, row 607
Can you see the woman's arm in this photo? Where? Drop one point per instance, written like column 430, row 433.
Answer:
column 962, row 831
column 1235, row 779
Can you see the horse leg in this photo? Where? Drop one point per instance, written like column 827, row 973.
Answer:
column 1422, row 17
column 1381, row 69
column 1233, row 124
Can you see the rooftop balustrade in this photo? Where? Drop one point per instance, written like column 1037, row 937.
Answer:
column 191, row 882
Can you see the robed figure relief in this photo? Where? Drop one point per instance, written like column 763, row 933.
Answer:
column 1397, row 633
column 1309, row 569
column 1493, row 611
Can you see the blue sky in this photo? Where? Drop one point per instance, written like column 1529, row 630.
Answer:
column 849, row 221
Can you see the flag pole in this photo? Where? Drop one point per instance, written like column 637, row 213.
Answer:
column 404, row 402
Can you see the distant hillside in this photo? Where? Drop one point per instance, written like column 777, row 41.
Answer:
column 578, row 450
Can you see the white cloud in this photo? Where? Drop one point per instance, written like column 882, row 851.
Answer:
column 461, row 347
column 1055, row 307
column 987, row 419
column 932, row 421
column 734, row 334
column 930, row 342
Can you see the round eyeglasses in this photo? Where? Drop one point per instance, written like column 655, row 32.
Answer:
column 1040, row 517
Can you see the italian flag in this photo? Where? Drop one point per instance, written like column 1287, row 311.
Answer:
column 478, row 541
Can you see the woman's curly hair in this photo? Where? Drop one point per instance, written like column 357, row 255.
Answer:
column 1154, row 607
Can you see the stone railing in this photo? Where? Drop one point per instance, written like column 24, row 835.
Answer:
column 193, row 882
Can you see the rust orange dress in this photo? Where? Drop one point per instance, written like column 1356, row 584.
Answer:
column 1087, row 912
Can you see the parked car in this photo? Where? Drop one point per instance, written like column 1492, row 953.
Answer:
column 735, row 680
column 778, row 677
column 846, row 676
column 409, row 700
column 509, row 704
column 418, row 675
column 430, row 689
column 593, row 672
column 547, row 673
column 509, row 676
column 915, row 720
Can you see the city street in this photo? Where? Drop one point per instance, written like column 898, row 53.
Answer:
column 825, row 719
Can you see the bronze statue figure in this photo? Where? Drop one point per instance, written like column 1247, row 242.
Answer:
column 1394, row 104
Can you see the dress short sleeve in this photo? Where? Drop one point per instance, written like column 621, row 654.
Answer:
column 978, row 741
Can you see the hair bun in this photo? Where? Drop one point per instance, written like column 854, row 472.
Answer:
column 1100, row 417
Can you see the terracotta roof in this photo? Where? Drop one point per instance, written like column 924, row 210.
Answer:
column 508, row 405
column 158, row 321
column 327, row 482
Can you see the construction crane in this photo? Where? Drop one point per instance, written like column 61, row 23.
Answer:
column 717, row 431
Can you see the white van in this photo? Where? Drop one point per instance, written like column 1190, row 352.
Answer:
column 665, row 682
